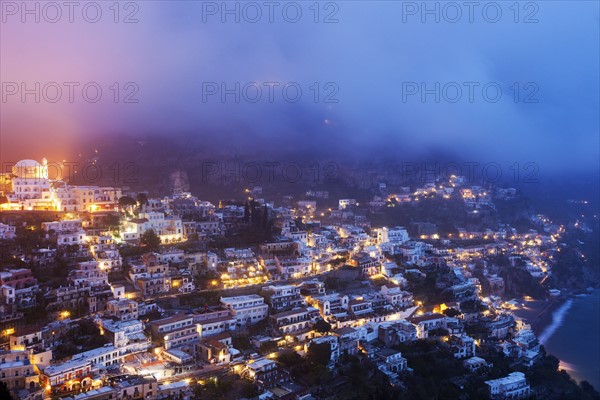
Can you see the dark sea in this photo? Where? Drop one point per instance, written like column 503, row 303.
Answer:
column 573, row 336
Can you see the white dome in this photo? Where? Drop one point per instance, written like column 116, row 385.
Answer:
column 30, row 169
column 28, row 163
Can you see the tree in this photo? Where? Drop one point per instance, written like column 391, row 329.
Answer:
column 319, row 353
column 142, row 199
column 589, row 389
column 150, row 240
column 126, row 202
column 112, row 221
column 4, row 393
column 246, row 213
column 267, row 347
column 72, row 248
column 451, row 312
column 3, row 199
column 248, row 390
column 322, row 326
column 265, row 216
column 289, row 358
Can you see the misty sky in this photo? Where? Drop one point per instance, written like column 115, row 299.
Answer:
column 371, row 57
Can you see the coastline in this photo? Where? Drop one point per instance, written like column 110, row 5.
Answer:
column 554, row 319
column 542, row 313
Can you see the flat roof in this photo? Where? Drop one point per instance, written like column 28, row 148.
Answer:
column 294, row 312
column 171, row 319
column 242, row 298
column 92, row 393
column 511, row 378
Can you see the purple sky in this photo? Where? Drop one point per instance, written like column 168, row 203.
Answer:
column 373, row 51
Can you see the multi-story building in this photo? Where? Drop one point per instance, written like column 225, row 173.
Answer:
column 292, row 267
column 397, row 297
column 7, row 231
column 70, row 238
column 67, row 376
column 513, row 386
column 475, row 363
column 26, row 339
column 102, row 393
column 462, row 346
column 16, row 371
column 211, row 227
column 123, row 309
column 395, row 235
column 154, row 284
column 90, row 198
column 392, row 360
column 214, row 320
column 214, row 352
column 105, row 252
column 62, row 226
column 359, row 306
column 368, row 265
column 24, row 287
column 312, row 287
column 90, row 272
column 177, row 330
column 393, row 333
column 169, row 229
column 295, row 322
column 31, row 189
column 213, row 326
column 264, row 372
column 345, row 203
column 348, row 338
column 68, row 296
column 429, row 321
column 128, row 336
column 331, row 304
column 134, row 387
column 281, row 297
column 77, row 373
column 247, row 309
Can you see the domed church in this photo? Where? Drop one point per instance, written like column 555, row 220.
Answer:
column 30, row 184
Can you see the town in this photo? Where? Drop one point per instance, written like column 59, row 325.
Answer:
column 109, row 293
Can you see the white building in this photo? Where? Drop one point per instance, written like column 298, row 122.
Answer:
column 169, row 229
column 395, row 235
column 7, row 231
column 513, row 386
column 397, row 297
column 67, row 225
column 31, row 186
column 246, row 309
column 128, row 336
column 345, row 203
column 32, row 189
column 69, row 238
column 90, row 272
column 177, row 330
column 122, row 309
column 334, row 347
column 331, row 304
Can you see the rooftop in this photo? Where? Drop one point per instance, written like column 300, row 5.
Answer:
column 234, row 299
column 513, row 377
column 344, row 331
column 426, row 317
